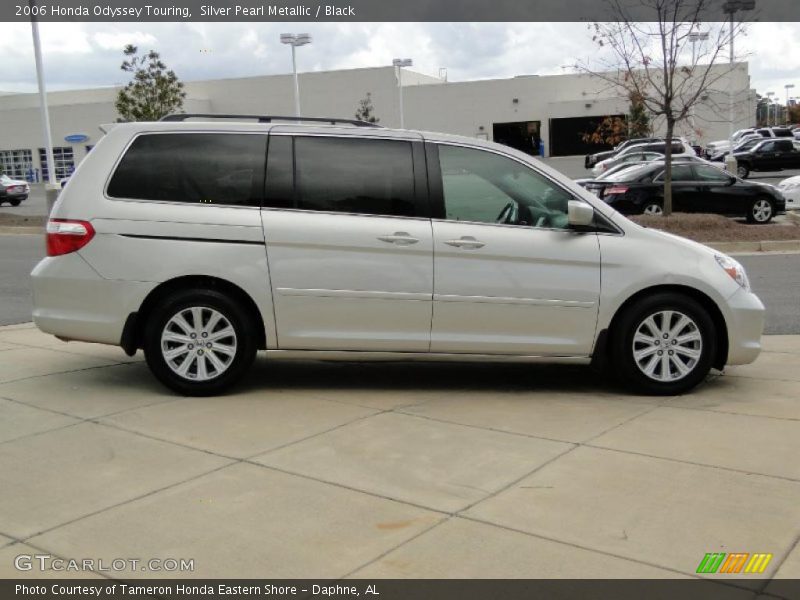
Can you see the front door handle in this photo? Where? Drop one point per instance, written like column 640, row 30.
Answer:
column 399, row 238
column 465, row 241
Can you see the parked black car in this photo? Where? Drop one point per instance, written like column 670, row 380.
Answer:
column 770, row 155
column 695, row 188
column 592, row 159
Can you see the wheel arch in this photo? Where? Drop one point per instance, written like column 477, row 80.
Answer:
column 720, row 326
column 132, row 335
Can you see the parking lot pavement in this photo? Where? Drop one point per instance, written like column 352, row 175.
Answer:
column 396, row 470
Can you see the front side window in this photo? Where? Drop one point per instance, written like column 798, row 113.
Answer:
column 200, row 168
column 484, row 187
column 361, row 176
column 706, row 173
column 766, row 147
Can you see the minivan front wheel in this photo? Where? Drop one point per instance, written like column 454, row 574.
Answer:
column 664, row 344
column 199, row 342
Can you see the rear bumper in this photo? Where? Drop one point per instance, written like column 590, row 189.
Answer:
column 71, row 301
column 745, row 319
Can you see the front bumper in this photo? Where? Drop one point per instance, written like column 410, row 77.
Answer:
column 73, row 302
column 745, row 320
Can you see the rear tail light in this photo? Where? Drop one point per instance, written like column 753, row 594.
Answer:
column 65, row 236
column 616, row 189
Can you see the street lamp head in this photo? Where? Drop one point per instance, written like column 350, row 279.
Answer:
column 295, row 39
column 402, row 62
column 789, row 86
column 697, row 36
column 731, row 6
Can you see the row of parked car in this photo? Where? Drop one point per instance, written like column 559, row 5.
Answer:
column 631, row 176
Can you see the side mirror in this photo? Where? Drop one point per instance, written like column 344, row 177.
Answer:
column 579, row 214
column 731, row 180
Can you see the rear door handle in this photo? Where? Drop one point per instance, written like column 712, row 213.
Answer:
column 465, row 241
column 399, row 238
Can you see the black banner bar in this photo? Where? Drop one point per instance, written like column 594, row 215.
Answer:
column 411, row 589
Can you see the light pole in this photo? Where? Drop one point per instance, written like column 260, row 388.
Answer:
column 694, row 37
column 399, row 63
column 295, row 40
column 48, row 139
column 730, row 8
column 787, row 87
column 769, row 108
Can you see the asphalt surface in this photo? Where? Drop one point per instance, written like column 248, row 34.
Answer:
column 774, row 277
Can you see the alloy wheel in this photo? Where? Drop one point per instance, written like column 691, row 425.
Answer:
column 198, row 343
column 762, row 211
column 653, row 209
column 667, row 346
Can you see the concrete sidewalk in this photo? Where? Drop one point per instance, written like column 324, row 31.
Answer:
column 396, row 470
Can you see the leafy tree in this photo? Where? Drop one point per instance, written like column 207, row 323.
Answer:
column 613, row 130
column 648, row 60
column 365, row 110
column 154, row 91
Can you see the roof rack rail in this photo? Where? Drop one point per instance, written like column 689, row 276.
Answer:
column 268, row 119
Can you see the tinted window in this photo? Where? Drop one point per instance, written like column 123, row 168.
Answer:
column 784, row 145
column 204, row 168
column 484, row 187
column 766, row 147
column 707, row 173
column 374, row 177
column 679, row 173
column 782, row 132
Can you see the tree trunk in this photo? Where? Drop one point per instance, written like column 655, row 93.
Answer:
column 668, row 168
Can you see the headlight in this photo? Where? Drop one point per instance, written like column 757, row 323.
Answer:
column 734, row 269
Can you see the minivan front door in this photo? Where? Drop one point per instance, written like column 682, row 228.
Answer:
column 510, row 277
column 349, row 252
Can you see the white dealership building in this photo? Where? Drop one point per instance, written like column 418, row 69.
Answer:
column 534, row 113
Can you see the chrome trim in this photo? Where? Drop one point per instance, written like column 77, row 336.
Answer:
column 364, row 294
column 511, row 300
column 358, row 355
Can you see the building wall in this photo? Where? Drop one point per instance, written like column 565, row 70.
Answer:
column 467, row 108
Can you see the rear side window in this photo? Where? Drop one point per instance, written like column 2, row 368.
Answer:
column 199, row 168
column 361, row 176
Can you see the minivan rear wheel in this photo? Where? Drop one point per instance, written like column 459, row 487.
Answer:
column 199, row 342
column 664, row 344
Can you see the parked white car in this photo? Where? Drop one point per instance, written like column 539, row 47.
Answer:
column 360, row 243
column 790, row 188
column 645, row 152
column 720, row 146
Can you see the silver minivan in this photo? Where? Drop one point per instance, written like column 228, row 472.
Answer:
column 203, row 240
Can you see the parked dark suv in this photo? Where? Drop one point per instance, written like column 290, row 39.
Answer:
column 770, row 155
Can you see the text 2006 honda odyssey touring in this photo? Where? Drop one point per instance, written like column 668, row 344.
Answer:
column 203, row 241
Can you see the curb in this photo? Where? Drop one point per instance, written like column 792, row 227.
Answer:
column 14, row 230
column 765, row 246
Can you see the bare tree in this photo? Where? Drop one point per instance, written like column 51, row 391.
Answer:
column 654, row 61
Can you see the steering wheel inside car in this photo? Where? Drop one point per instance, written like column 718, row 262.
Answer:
column 508, row 215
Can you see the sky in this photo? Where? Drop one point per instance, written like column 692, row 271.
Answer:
column 81, row 55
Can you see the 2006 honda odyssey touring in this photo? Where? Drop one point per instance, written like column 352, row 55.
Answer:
column 203, row 240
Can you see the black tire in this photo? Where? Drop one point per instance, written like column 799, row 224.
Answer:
column 761, row 211
column 622, row 345
column 244, row 342
column 14, row 202
column 743, row 170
